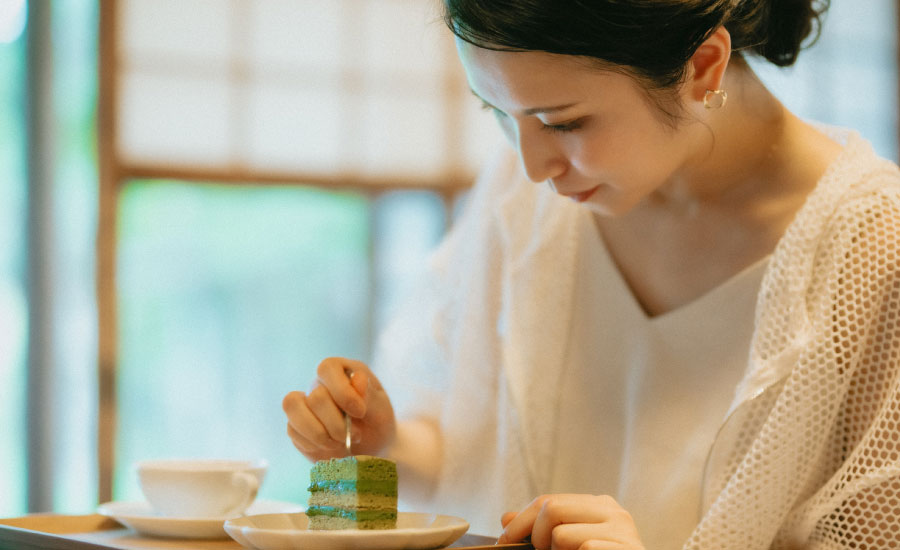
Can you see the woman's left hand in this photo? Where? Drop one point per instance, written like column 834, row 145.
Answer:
column 573, row 522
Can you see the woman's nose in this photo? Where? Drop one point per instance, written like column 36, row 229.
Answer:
column 540, row 159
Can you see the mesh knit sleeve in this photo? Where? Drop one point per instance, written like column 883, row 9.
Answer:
column 816, row 460
column 857, row 501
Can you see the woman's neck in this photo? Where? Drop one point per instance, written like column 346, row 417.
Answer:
column 754, row 167
column 737, row 147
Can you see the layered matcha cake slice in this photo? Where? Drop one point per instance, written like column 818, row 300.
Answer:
column 356, row 492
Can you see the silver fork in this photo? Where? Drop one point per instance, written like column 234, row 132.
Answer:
column 347, row 441
column 347, row 421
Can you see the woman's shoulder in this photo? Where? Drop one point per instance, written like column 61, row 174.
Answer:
column 859, row 189
column 857, row 251
column 865, row 191
column 850, row 224
column 858, row 168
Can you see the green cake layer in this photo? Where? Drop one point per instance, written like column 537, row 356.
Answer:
column 356, row 492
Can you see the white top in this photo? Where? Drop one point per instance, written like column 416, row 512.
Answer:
column 652, row 435
column 559, row 381
column 485, row 350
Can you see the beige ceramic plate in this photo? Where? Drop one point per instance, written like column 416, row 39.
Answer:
column 140, row 517
column 415, row 531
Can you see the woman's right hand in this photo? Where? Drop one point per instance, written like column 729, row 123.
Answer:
column 316, row 419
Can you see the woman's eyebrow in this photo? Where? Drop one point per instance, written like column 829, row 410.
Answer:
column 532, row 110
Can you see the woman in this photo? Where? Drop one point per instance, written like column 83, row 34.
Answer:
column 689, row 339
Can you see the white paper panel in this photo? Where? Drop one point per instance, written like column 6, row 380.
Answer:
column 303, row 34
column 189, row 30
column 406, row 36
column 338, row 85
column 403, row 135
column 174, row 119
column 295, row 129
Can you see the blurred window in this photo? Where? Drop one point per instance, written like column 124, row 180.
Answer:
column 13, row 305
column 281, row 170
column 849, row 77
column 284, row 168
column 230, row 296
column 73, row 211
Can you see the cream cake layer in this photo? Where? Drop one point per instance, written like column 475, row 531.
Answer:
column 352, row 500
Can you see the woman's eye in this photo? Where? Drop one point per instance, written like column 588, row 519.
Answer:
column 564, row 127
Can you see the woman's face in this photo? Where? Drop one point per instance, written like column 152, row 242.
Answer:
column 593, row 134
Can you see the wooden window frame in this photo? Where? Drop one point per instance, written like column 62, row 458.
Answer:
column 115, row 172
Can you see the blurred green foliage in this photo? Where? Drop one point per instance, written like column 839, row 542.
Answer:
column 229, row 297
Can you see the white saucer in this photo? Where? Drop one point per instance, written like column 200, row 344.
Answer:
column 140, row 517
column 414, row 531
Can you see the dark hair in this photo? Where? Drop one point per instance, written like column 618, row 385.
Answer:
column 650, row 39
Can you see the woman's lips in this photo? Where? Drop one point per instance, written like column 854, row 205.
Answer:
column 583, row 196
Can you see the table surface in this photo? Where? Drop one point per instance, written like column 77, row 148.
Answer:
column 96, row 532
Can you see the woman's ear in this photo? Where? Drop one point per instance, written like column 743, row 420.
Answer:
column 708, row 64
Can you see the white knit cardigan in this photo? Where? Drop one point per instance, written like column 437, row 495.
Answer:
column 809, row 456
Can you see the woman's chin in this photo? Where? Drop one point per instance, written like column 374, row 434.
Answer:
column 606, row 208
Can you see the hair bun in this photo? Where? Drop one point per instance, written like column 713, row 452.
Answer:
column 776, row 29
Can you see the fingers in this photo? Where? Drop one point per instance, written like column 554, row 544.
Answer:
column 506, row 518
column 316, row 419
column 566, row 509
column 327, row 412
column 572, row 521
column 520, row 524
column 309, row 449
column 347, row 383
column 589, row 536
column 308, row 418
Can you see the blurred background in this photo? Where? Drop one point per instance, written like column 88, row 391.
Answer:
column 201, row 199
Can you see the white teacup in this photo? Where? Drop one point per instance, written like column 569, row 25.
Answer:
column 200, row 488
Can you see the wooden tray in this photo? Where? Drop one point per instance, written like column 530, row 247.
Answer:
column 89, row 532
column 96, row 532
